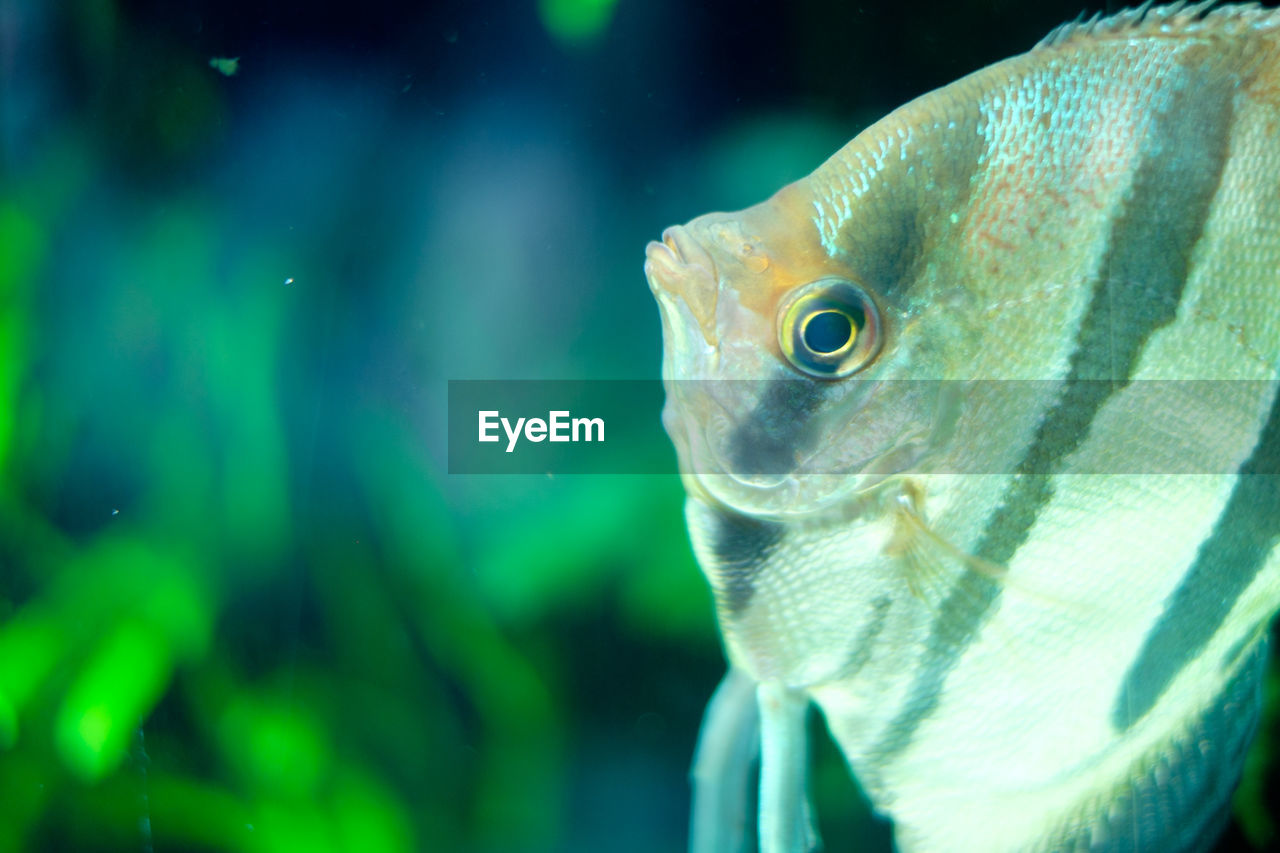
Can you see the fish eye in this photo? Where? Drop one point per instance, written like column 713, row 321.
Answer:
column 829, row 328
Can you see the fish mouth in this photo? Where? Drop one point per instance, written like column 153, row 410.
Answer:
column 676, row 256
column 679, row 268
column 688, row 250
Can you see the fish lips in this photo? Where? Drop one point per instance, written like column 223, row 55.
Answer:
column 680, row 269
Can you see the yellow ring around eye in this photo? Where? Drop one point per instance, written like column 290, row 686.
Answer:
column 829, row 328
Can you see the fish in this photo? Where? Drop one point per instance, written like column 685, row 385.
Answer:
column 979, row 432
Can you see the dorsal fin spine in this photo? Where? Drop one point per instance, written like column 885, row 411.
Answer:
column 1172, row 19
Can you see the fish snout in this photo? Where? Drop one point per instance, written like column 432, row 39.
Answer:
column 679, row 256
column 679, row 267
column 687, row 249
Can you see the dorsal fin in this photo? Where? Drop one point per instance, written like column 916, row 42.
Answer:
column 1174, row 19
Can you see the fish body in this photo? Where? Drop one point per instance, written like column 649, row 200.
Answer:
column 980, row 432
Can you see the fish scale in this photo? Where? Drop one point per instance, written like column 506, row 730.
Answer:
column 1013, row 529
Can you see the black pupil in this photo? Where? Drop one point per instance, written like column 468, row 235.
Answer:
column 828, row 331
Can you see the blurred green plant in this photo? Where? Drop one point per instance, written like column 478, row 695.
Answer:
column 239, row 614
column 576, row 21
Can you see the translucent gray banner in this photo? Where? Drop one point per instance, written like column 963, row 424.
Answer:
column 810, row 427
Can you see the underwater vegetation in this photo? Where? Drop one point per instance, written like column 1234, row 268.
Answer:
column 243, row 247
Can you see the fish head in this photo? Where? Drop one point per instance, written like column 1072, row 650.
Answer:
column 794, row 382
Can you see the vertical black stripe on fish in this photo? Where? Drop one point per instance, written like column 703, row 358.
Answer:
column 1136, row 292
column 779, row 430
column 1178, row 799
column 1226, row 563
column 864, row 644
column 740, row 546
